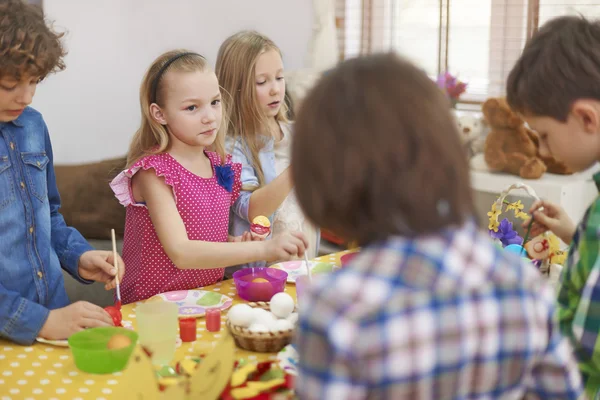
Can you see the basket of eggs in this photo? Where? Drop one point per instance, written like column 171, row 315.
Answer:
column 264, row 327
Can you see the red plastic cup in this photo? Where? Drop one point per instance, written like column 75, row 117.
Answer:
column 213, row 320
column 187, row 329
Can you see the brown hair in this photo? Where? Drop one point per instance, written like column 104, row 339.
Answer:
column 236, row 68
column 152, row 137
column 559, row 65
column 28, row 47
column 376, row 153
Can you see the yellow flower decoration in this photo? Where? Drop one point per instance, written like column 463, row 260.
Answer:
column 494, row 213
column 559, row 258
column 517, row 206
column 493, row 222
column 553, row 244
column 522, row 215
column 493, row 226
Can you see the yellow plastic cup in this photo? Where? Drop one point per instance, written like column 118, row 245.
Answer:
column 157, row 324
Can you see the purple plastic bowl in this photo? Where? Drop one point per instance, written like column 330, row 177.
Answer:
column 259, row 291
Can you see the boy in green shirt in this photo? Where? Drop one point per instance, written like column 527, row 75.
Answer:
column 555, row 85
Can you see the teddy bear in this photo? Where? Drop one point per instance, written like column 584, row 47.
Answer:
column 472, row 130
column 509, row 146
column 512, row 147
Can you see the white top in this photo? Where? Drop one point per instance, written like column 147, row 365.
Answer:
column 289, row 216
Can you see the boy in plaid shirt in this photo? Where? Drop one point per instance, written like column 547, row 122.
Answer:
column 556, row 86
column 430, row 308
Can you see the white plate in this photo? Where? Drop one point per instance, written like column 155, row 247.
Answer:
column 59, row 343
column 287, row 359
column 298, row 268
column 193, row 303
column 65, row 342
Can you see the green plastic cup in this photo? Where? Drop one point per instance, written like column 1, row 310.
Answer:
column 91, row 354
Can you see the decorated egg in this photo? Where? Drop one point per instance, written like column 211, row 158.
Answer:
column 515, row 248
column 115, row 314
column 118, row 341
column 262, row 220
column 241, row 315
column 260, row 289
column 538, row 248
column 282, row 305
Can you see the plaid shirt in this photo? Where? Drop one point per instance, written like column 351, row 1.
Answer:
column 579, row 297
column 449, row 316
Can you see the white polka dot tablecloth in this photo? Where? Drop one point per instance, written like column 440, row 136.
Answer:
column 44, row 372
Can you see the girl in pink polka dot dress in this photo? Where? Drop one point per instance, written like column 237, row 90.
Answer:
column 179, row 186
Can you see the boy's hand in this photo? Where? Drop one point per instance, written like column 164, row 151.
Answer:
column 552, row 218
column 285, row 246
column 63, row 322
column 98, row 265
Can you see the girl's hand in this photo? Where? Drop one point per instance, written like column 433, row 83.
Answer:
column 552, row 218
column 98, row 265
column 63, row 322
column 285, row 246
column 246, row 237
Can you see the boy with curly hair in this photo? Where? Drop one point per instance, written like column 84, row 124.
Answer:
column 35, row 241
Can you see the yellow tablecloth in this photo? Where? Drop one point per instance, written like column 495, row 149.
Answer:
column 47, row 372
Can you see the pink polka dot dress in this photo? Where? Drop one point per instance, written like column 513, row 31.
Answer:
column 204, row 206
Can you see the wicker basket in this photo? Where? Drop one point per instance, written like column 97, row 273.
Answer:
column 498, row 204
column 268, row 342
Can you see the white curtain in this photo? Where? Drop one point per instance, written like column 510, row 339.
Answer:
column 323, row 46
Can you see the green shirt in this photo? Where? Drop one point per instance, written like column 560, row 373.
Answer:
column 579, row 296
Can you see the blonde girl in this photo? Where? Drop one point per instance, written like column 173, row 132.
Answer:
column 179, row 186
column 250, row 70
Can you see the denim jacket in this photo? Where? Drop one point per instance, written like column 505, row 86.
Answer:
column 34, row 239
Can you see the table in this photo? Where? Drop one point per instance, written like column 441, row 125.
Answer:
column 48, row 373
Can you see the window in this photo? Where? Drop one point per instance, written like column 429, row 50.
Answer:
column 549, row 9
column 478, row 40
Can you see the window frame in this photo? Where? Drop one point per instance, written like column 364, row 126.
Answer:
column 379, row 38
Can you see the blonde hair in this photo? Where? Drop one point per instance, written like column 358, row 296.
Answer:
column 152, row 137
column 236, row 68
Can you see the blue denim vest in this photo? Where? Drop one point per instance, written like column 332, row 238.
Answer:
column 34, row 239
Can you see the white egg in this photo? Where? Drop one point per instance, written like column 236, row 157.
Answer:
column 264, row 318
column 293, row 318
column 258, row 328
column 258, row 313
column 240, row 315
column 282, row 305
column 282, row 325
